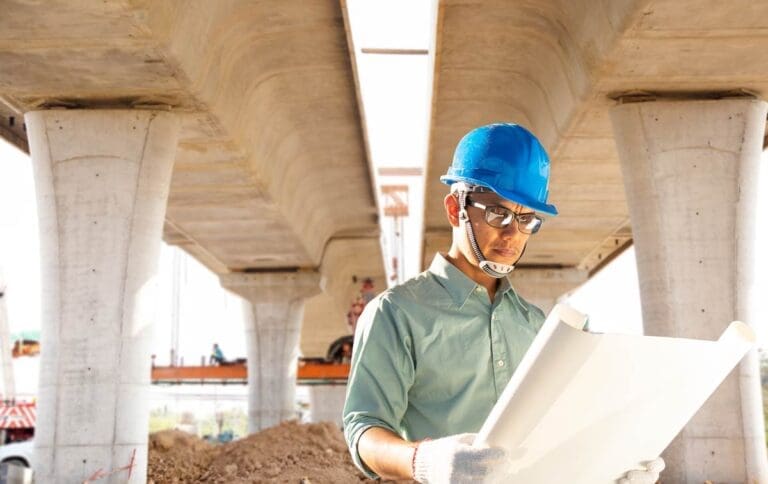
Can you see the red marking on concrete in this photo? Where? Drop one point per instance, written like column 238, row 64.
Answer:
column 100, row 475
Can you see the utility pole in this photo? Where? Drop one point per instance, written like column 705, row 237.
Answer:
column 6, row 358
column 179, row 267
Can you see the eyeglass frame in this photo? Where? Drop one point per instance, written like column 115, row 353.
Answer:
column 515, row 216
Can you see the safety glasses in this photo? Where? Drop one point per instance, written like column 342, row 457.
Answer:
column 501, row 217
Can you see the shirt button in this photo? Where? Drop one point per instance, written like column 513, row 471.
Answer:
column 500, row 363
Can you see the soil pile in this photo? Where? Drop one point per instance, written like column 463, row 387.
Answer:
column 288, row 453
column 176, row 457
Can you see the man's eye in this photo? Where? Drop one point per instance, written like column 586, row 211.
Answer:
column 525, row 218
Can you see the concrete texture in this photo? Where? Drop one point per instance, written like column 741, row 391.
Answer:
column 539, row 65
column 691, row 173
column 326, row 403
column 271, row 167
column 102, row 179
column 273, row 311
column 272, row 171
column 346, row 263
column 555, row 66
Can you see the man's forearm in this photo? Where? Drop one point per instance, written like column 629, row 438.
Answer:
column 386, row 453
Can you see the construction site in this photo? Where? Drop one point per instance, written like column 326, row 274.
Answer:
column 290, row 152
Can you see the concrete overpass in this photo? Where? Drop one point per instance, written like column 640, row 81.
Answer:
column 244, row 116
column 652, row 113
column 232, row 129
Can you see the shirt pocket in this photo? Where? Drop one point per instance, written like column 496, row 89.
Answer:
column 453, row 361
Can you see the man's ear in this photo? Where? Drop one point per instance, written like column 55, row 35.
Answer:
column 452, row 209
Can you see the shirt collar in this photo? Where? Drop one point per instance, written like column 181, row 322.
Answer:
column 504, row 285
column 458, row 284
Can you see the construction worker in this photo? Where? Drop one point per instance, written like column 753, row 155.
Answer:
column 432, row 355
column 217, row 356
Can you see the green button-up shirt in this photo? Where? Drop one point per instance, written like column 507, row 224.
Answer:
column 432, row 356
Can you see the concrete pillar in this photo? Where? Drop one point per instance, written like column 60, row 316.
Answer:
column 544, row 287
column 690, row 170
column 102, row 180
column 273, row 311
column 326, row 403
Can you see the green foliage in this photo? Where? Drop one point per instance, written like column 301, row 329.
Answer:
column 162, row 420
column 233, row 419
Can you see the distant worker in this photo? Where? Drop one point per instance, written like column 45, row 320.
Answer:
column 340, row 351
column 432, row 355
column 217, row 356
column 346, row 352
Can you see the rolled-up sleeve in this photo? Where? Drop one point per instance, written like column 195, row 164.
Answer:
column 381, row 374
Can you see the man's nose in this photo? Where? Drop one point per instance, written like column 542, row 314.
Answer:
column 511, row 230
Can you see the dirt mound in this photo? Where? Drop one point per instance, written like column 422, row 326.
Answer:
column 289, row 452
column 176, row 457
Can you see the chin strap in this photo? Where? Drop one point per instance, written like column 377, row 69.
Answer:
column 493, row 269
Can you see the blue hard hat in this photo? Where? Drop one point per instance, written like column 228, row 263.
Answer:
column 506, row 158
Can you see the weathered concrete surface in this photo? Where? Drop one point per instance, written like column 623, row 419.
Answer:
column 273, row 310
column 555, row 66
column 102, row 180
column 691, row 170
column 271, row 171
column 271, row 166
column 325, row 317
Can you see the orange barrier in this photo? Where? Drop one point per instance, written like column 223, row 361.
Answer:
column 176, row 373
column 322, row 371
column 306, row 371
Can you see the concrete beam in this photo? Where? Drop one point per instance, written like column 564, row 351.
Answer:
column 556, row 67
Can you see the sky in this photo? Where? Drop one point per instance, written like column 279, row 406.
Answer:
column 396, row 92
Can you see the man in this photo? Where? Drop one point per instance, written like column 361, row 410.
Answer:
column 217, row 356
column 432, row 356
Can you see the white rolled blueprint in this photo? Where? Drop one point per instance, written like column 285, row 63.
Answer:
column 586, row 408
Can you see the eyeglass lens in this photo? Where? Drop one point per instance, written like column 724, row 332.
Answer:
column 500, row 217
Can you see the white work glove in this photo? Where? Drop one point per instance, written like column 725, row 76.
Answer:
column 453, row 460
column 649, row 476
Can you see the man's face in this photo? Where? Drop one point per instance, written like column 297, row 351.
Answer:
column 504, row 245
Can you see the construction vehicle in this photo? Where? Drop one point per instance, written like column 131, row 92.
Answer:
column 17, row 421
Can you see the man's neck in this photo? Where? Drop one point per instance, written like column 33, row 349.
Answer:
column 491, row 284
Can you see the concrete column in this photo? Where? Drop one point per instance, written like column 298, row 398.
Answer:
column 273, row 311
column 102, row 180
column 326, row 403
column 544, row 287
column 690, row 170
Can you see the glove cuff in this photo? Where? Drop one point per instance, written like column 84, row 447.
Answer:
column 420, row 463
